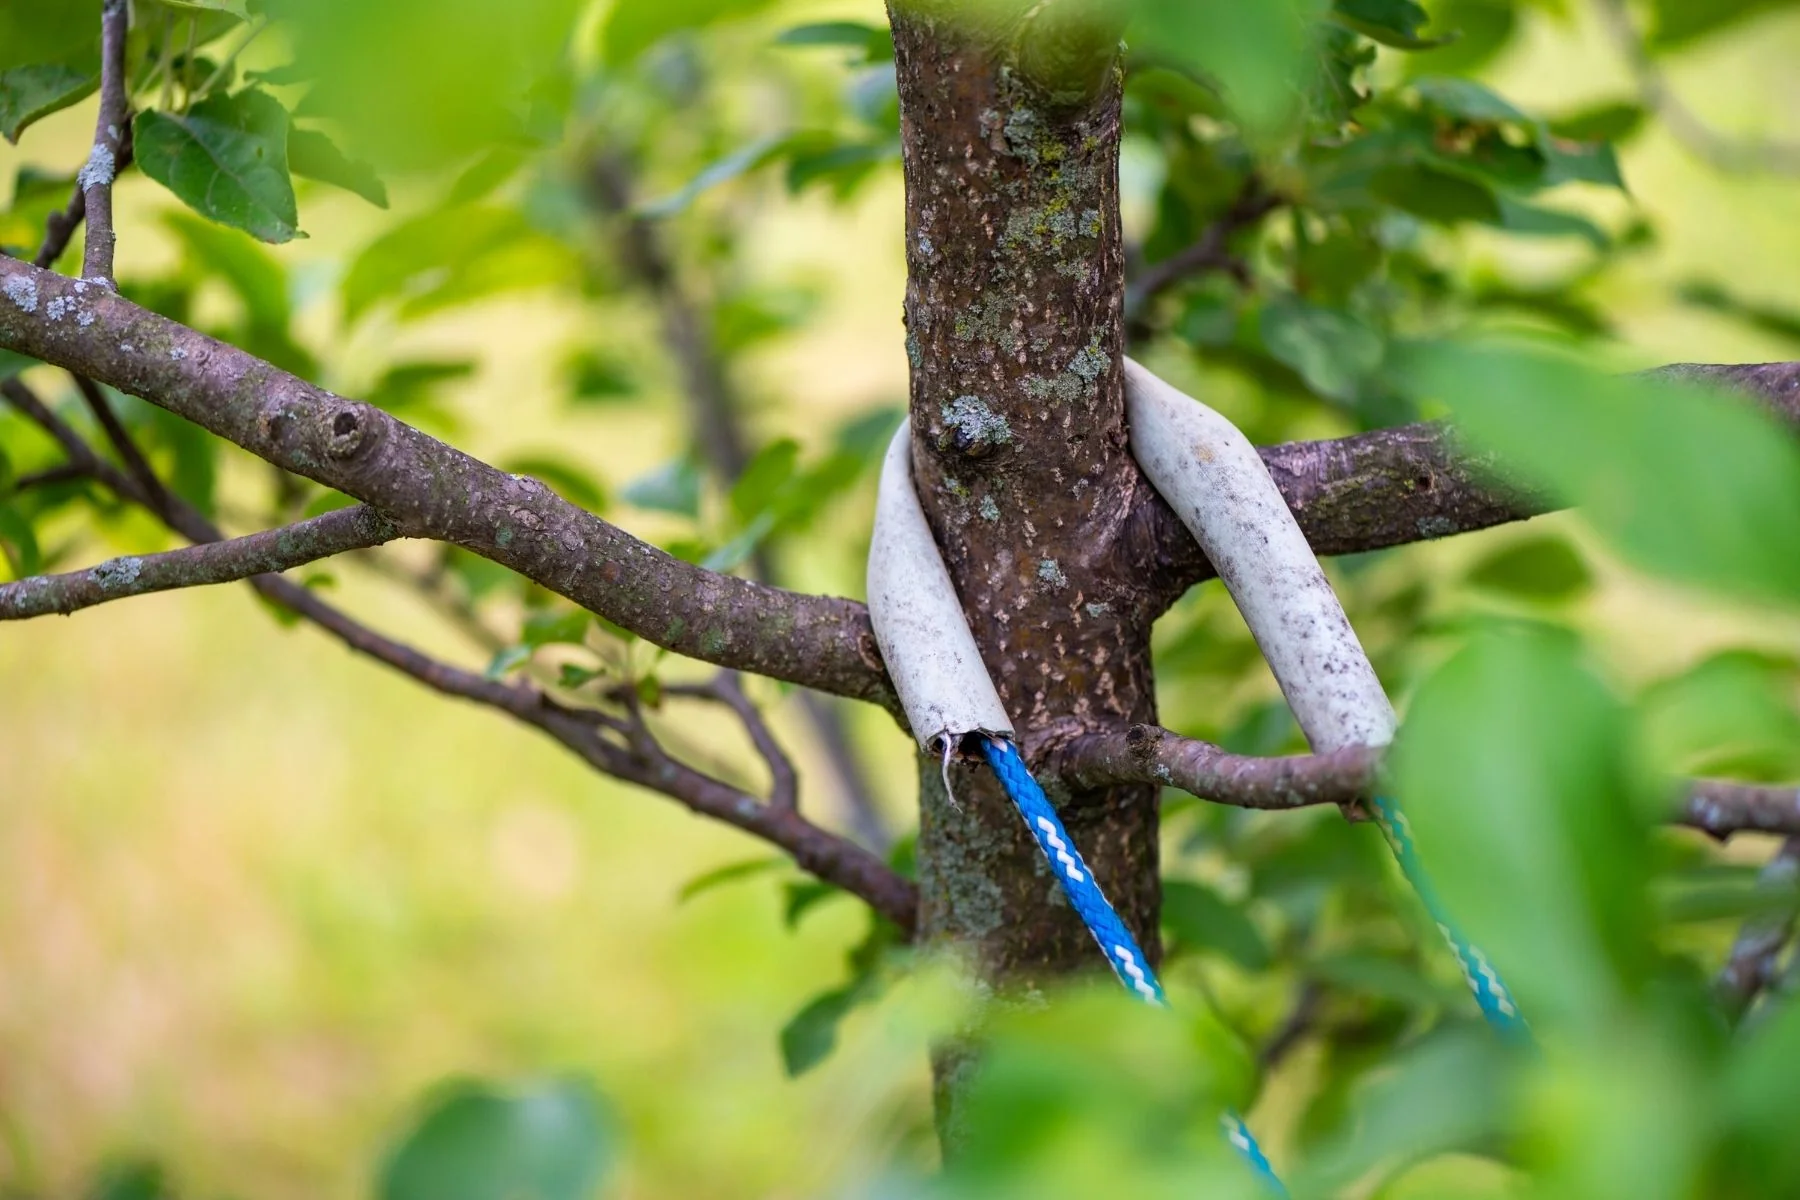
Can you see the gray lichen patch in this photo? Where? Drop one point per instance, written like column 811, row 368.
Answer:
column 22, row 291
column 987, row 322
column 1050, row 573
column 974, row 424
column 118, row 572
column 990, row 511
column 1077, row 381
column 98, row 170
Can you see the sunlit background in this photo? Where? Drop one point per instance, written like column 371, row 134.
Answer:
column 257, row 895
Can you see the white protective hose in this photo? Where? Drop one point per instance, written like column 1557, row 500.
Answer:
column 1220, row 488
column 919, row 623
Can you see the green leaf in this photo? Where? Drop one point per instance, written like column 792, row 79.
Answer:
column 738, row 549
column 18, row 538
column 634, row 28
column 474, row 1142
column 226, row 158
column 811, row 1034
column 765, row 476
column 599, row 377
column 876, row 42
column 1257, row 53
column 312, row 155
column 30, row 93
column 802, row 896
column 1771, row 319
column 485, row 174
column 453, row 256
column 1731, row 715
column 1391, row 22
column 1613, row 121
column 48, row 31
column 1510, row 770
column 1679, row 22
column 741, row 161
column 1476, row 32
column 234, row 8
column 36, row 194
column 1468, row 100
column 427, row 83
column 1682, row 481
column 729, row 873
column 1329, row 348
column 1534, row 220
column 506, row 660
column 12, row 362
column 1580, row 162
column 410, row 384
column 1542, row 568
column 130, row 1179
column 572, row 483
column 673, row 487
column 1386, row 978
column 556, row 628
column 1200, row 918
column 1434, row 194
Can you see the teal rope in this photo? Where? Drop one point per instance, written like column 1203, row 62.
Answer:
column 1491, row 995
column 1097, row 913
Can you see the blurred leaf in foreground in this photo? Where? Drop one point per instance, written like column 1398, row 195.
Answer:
column 475, row 1142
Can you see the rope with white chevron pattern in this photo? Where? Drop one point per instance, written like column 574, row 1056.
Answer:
column 1491, row 996
column 1097, row 913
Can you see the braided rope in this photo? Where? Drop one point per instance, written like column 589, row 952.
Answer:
column 1491, row 995
column 1097, row 913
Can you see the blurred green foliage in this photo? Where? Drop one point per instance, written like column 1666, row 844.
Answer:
column 1380, row 160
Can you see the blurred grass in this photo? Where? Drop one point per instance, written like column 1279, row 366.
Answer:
column 258, row 894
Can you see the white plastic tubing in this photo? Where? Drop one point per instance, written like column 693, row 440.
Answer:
column 1220, row 488
column 919, row 622
column 1218, row 485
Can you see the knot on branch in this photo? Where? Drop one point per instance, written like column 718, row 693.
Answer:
column 345, row 428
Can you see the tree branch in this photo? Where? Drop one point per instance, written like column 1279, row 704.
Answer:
column 1210, row 252
column 1410, row 483
column 1150, row 754
column 110, row 131
column 267, row 552
column 429, row 489
column 1365, row 492
column 824, row 854
column 726, row 689
column 1753, row 963
column 1708, row 144
column 714, row 409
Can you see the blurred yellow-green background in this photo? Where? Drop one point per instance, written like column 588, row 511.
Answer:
column 256, row 894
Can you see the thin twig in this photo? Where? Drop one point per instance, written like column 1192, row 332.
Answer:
column 727, row 689
column 122, row 442
column 833, row 859
column 110, row 131
column 1720, row 151
column 49, row 477
column 199, row 565
column 715, row 408
column 1210, row 252
column 1752, row 965
column 1151, row 754
column 1300, row 1021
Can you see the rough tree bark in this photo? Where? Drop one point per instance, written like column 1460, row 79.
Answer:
column 1010, row 138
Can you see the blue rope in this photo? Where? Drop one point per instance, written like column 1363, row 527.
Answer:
column 1097, row 913
column 1491, row 995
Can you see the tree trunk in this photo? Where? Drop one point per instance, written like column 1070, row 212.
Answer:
column 1015, row 287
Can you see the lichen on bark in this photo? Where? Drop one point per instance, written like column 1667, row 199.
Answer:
column 1014, row 300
